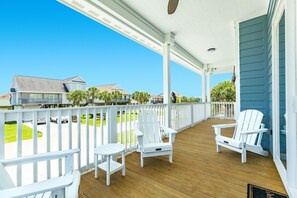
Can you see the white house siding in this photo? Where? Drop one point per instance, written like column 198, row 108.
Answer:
column 76, row 86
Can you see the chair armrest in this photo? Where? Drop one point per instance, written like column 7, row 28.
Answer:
column 39, row 157
column 170, row 132
column 218, row 127
column 139, row 135
column 72, row 191
column 137, row 132
column 167, row 129
column 254, row 131
column 222, row 126
column 37, row 188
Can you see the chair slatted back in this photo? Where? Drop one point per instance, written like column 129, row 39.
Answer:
column 149, row 125
column 248, row 120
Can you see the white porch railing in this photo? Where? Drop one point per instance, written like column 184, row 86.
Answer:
column 87, row 128
column 223, row 110
column 185, row 115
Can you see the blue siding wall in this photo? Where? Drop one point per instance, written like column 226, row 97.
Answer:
column 269, row 59
column 253, row 68
column 256, row 67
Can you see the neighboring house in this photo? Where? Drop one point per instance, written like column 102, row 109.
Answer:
column 5, row 101
column 34, row 92
column 114, row 87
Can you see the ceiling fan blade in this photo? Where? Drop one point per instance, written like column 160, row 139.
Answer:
column 172, row 5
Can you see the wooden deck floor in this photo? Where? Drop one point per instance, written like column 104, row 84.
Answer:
column 197, row 171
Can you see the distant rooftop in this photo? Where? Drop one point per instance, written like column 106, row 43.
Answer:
column 45, row 85
column 4, row 96
column 112, row 87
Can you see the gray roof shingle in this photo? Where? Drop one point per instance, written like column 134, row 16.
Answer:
column 35, row 84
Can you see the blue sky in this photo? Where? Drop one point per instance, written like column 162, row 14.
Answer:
column 44, row 38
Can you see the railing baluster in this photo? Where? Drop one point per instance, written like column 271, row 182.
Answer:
column 87, row 138
column 95, row 127
column 60, row 139
column 121, row 126
column 134, row 124
column 126, row 130
column 35, row 145
column 70, row 128
column 48, row 143
column 79, row 137
column 130, row 126
column 101, row 126
column 19, row 146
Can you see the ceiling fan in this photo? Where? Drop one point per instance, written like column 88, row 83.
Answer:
column 172, row 5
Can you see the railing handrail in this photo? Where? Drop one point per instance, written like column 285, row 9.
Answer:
column 77, row 108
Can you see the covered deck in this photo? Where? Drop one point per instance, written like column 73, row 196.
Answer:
column 197, row 171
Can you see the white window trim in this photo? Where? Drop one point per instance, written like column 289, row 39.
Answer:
column 279, row 10
column 289, row 175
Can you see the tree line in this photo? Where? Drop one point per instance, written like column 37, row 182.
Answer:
column 78, row 96
column 223, row 92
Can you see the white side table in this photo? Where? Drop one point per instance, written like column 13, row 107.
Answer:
column 109, row 166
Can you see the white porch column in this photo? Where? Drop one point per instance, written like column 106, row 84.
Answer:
column 237, row 70
column 208, row 86
column 203, row 85
column 169, row 40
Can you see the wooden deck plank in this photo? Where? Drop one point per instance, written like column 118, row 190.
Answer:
column 197, row 171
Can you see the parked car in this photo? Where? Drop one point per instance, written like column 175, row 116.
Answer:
column 64, row 119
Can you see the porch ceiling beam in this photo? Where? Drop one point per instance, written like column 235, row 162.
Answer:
column 120, row 11
column 192, row 60
column 118, row 16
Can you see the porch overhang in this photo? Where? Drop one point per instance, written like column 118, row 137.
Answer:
column 121, row 18
column 198, row 25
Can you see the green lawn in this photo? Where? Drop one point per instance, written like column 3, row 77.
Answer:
column 10, row 133
column 128, row 137
column 98, row 121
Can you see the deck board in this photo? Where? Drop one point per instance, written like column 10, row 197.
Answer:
column 197, row 171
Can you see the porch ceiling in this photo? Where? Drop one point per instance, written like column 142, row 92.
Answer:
column 197, row 24
column 202, row 24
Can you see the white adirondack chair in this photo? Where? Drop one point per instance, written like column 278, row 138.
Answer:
column 247, row 135
column 64, row 186
column 149, row 136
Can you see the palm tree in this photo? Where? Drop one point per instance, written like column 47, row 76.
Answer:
column 223, row 92
column 92, row 93
column 76, row 97
column 184, row 99
column 141, row 97
column 116, row 95
column 106, row 96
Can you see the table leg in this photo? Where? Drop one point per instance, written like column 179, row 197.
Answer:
column 96, row 165
column 123, row 163
column 108, row 171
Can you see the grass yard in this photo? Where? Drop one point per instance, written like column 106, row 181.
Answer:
column 129, row 138
column 98, row 121
column 10, row 133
